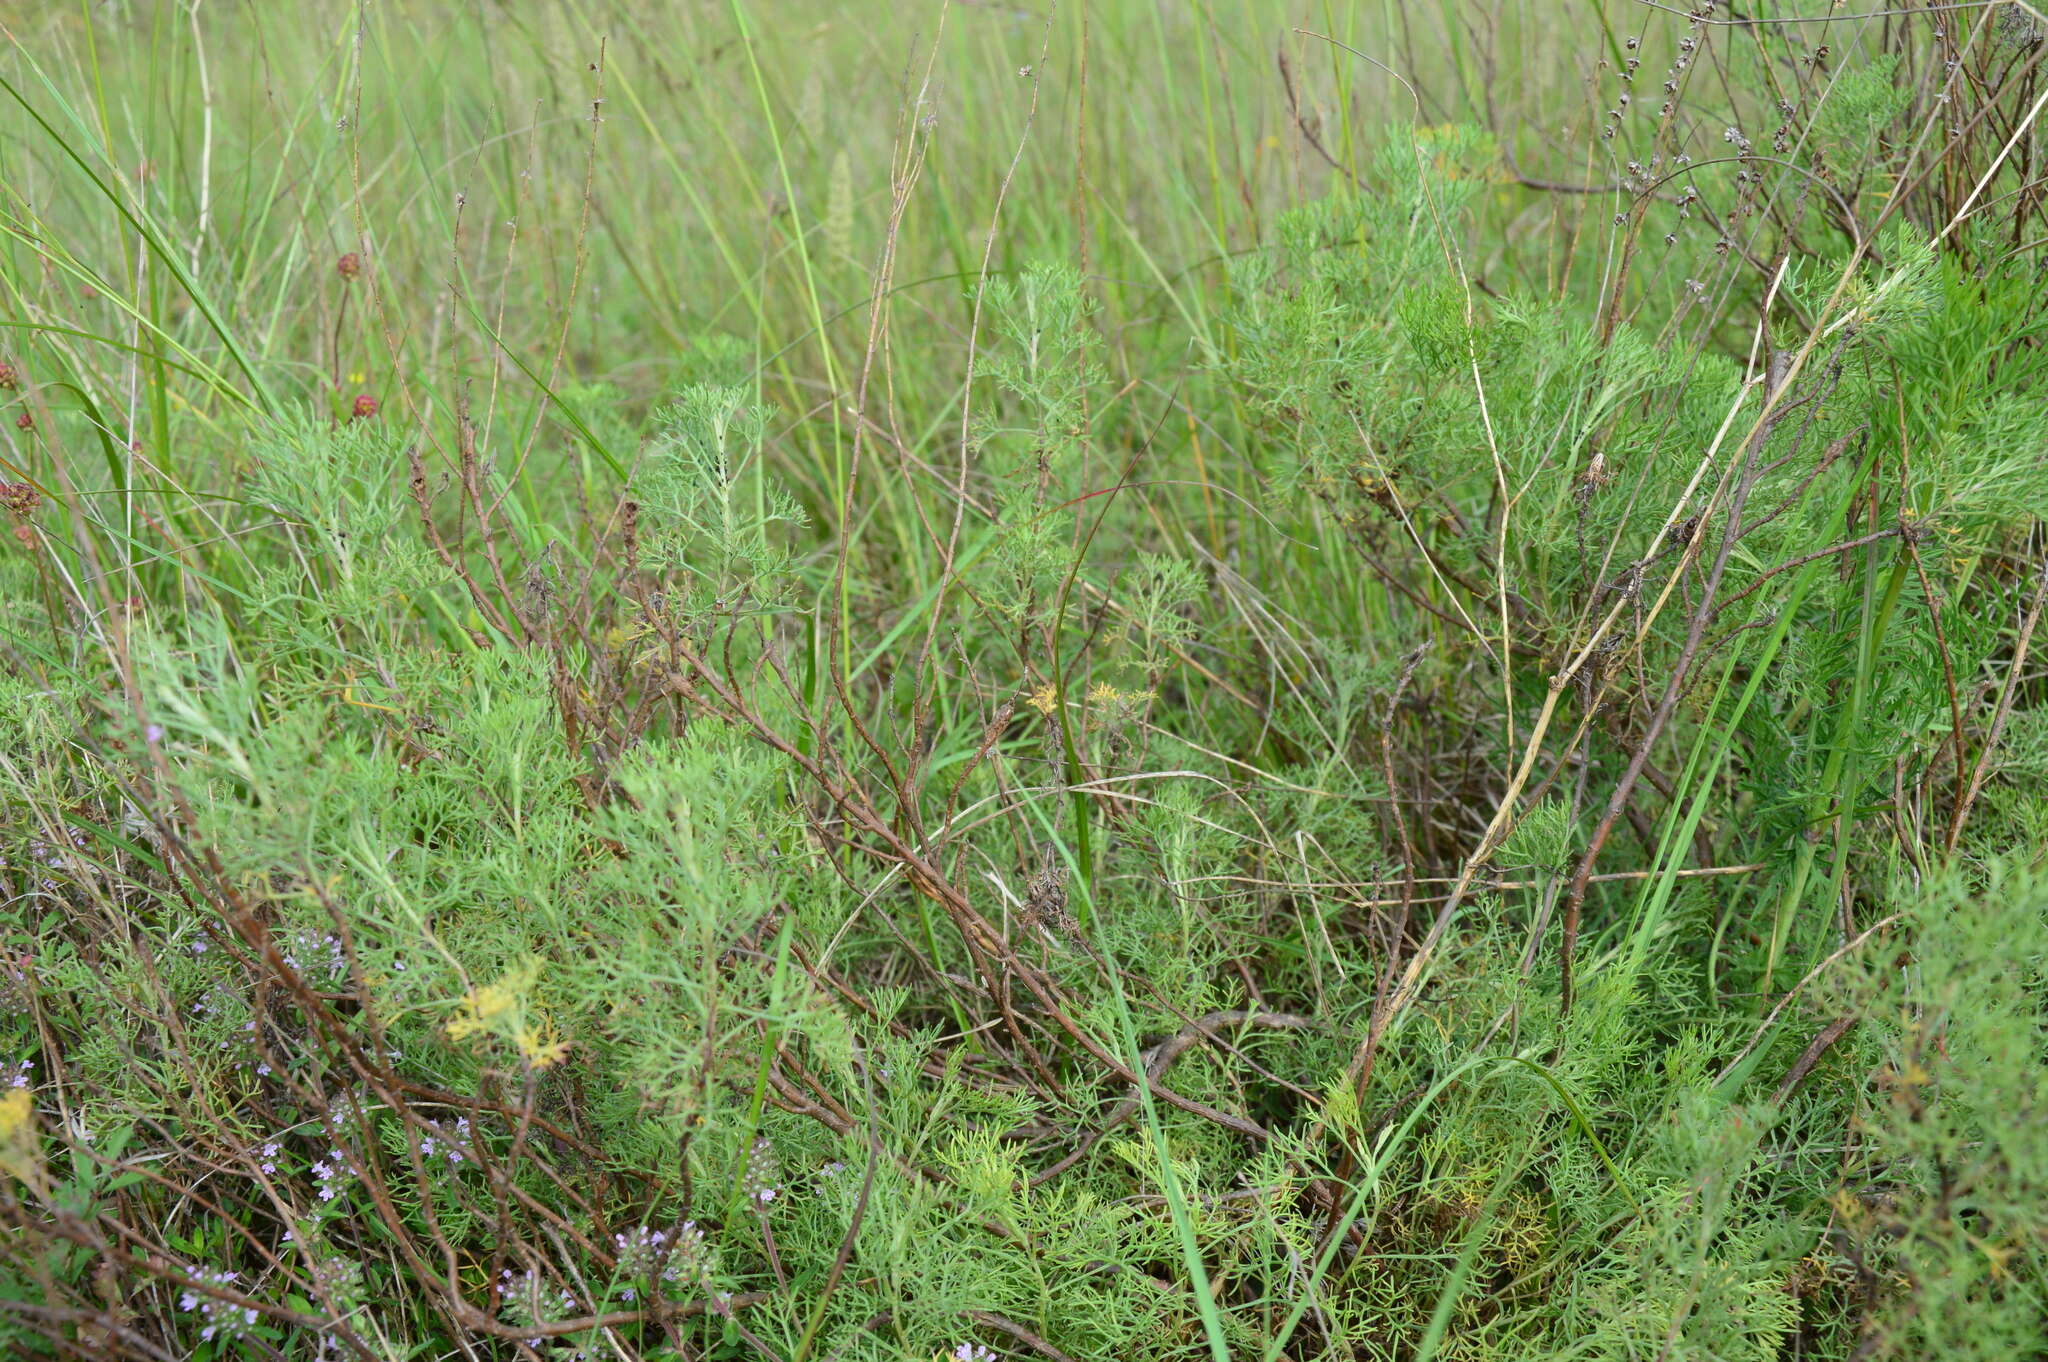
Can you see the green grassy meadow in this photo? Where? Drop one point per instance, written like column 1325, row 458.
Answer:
column 1135, row 679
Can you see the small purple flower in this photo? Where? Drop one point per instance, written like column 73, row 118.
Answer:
column 759, row 1180
column 651, row 1256
column 524, row 1300
column 19, row 1078
column 221, row 1317
column 973, row 1352
column 329, row 1173
column 319, row 955
column 446, row 1143
column 154, row 733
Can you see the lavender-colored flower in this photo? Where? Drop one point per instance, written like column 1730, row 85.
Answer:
column 15, row 979
column 329, row 1173
column 640, row 1251
column 340, row 1277
column 973, row 1352
column 318, row 955
column 523, row 1299
column 19, row 1077
column 759, row 1180
column 221, row 1318
column 680, row 1260
column 446, row 1143
column 343, row 1114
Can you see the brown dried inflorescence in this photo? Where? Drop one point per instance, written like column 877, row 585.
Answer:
column 20, row 497
column 350, row 265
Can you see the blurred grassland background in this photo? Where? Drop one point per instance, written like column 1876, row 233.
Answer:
column 739, row 180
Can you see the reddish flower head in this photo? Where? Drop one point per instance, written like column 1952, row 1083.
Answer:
column 24, row 422
column 365, row 407
column 10, row 377
column 350, row 265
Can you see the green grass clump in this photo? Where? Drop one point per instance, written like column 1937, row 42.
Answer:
column 1166, row 681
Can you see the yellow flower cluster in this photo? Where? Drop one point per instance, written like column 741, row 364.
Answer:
column 16, row 1108
column 19, row 1151
column 505, row 1009
column 1102, row 695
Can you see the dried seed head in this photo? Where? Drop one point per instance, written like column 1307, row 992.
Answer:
column 1045, row 900
column 10, row 377
column 20, row 497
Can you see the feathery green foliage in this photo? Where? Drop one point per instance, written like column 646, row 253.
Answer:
column 711, row 682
